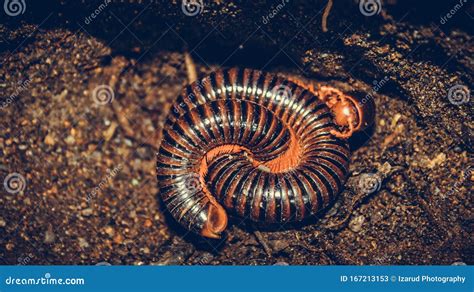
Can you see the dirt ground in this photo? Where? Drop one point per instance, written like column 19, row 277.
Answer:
column 87, row 190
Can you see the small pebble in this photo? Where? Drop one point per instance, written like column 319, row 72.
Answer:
column 118, row 239
column 279, row 245
column 356, row 223
column 49, row 235
column 83, row 243
column 128, row 142
column 87, row 212
column 70, row 140
column 110, row 231
column 148, row 223
column 10, row 246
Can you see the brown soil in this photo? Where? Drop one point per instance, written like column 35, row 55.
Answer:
column 91, row 191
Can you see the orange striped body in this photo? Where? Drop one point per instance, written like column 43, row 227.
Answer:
column 250, row 143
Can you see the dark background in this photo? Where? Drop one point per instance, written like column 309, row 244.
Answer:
column 65, row 145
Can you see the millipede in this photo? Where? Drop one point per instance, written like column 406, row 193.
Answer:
column 258, row 145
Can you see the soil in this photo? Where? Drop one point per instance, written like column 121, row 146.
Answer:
column 90, row 189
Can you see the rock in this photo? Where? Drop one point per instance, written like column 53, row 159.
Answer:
column 83, row 243
column 87, row 212
column 109, row 230
column 49, row 139
column 70, row 140
column 118, row 238
column 278, row 245
column 49, row 236
column 148, row 223
column 439, row 159
column 356, row 223
column 10, row 246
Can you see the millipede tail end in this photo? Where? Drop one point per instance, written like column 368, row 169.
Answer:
column 216, row 222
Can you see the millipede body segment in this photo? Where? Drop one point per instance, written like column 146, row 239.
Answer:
column 250, row 143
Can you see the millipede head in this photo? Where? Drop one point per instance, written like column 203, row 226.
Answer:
column 349, row 110
column 351, row 114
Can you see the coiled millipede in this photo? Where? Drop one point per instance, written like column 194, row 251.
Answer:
column 258, row 145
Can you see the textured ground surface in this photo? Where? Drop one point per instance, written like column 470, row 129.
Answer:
column 90, row 192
